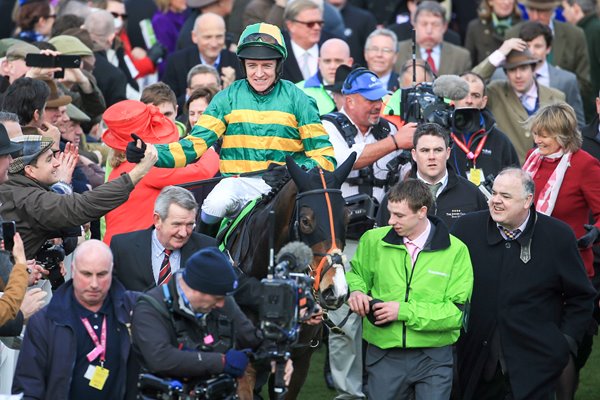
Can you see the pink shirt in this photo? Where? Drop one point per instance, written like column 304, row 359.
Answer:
column 414, row 247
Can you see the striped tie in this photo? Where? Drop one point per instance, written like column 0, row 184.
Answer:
column 164, row 274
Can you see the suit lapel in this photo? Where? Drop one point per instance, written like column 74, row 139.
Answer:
column 144, row 258
column 513, row 103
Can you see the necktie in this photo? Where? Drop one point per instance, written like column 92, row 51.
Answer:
column 510, row 235
column 164, row 274
column 412, row 250
column 306, row 65
column 434, row 188
column 430, row 61
column 523, row 99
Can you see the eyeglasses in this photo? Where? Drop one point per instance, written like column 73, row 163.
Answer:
column 51, row 16
column 384, row 50
column 117, row 15
column 260, row 37
column 310, row 24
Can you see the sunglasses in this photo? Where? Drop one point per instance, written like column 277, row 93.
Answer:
column 117, row 15
column 310, row 24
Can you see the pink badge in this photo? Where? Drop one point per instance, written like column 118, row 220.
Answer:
column 209, row 339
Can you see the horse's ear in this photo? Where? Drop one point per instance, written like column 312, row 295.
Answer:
column 297, row 173
column 342, row 171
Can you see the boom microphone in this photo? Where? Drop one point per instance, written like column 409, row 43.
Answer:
column 296, row 256
column 451, row 87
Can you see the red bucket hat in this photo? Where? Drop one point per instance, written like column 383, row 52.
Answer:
column 132, row 116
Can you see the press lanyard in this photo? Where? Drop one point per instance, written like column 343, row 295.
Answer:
column 470, row 155
column 100, row 349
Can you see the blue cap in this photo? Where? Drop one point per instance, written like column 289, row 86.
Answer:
column 365, row 83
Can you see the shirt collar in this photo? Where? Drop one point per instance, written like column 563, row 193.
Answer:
column 443, row 181
column 521, row 227
column 299, row 51
column 421, row 240
column 158, row 250
column 216, row 63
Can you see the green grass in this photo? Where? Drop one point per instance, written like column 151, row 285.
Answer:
column 315, row 389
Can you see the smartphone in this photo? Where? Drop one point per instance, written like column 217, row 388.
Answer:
column 39, row 60
column 8, row 234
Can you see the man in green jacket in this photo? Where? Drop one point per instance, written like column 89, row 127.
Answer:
column 412, row 281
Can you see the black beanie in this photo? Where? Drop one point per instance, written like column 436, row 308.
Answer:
column 210, row 271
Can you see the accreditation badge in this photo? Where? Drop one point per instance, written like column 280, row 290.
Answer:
column 99, row 377
column 475, row 175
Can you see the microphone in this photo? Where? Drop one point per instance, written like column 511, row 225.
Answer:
column 451, row 87
column 295, row 256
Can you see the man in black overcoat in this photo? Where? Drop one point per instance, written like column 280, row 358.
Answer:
column 531, row 301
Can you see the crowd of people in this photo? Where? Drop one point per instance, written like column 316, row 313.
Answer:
column 472, row 246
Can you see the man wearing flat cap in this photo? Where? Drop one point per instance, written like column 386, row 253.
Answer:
column 569, row 46
column 515, row 99
column 42, row 214
column 191, row 328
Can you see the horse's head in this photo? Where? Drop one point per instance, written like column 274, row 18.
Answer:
column 320, row 222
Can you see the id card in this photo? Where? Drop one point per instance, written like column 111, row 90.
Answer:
column 475, row 175
column 99, row 378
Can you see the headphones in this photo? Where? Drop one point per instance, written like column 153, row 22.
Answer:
column 353, row 75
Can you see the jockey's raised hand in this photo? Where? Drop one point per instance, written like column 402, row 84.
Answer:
column 135, row 149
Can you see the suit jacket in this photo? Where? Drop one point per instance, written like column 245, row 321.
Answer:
column 111, row 81
column 359, row 24
column 132, row 257
column 180, row 62
column 591, row 143
column 566, row 82
column 453, row 59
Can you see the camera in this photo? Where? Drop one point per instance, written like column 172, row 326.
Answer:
column 220, row 387
column 50, row 256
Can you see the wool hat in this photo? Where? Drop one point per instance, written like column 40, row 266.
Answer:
column 56, row 98
column 33, row 146
column 341, row 73
column 365, row 83
column 541, row 4
column 132, row 116
column 20, row 50
column 70, row 45
column 6, row 145
column 517, row 58
column 210, row 271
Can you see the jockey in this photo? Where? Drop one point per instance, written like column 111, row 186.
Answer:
column 262, row 119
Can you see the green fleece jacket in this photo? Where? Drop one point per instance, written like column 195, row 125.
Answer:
column 431, row 311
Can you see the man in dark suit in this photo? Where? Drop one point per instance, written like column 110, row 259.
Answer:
column 531, row 302
column 443, row 57
column 209, row 37
column 146, row 258
column 303, row 36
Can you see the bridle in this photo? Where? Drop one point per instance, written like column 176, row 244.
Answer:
column 333, row 258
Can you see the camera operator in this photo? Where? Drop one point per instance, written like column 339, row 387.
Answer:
column 358, row 128
column 191, row 329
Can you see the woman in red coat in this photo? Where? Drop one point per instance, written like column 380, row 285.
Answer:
column 567, row 179
column 131, row 116
column 567, row 187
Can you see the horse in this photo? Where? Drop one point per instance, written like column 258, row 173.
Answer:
column 309, row 207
